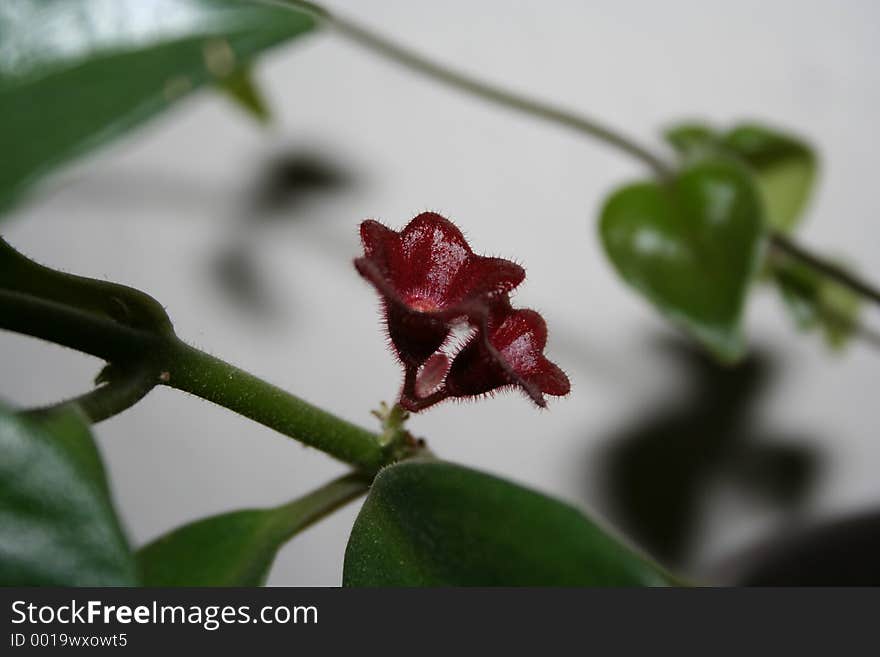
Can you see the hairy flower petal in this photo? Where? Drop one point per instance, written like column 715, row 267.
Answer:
column 509, row 353
column 428, row 277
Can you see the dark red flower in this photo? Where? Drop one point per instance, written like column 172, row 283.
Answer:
column 429, row 279
column 508, row 353
column 431, row 282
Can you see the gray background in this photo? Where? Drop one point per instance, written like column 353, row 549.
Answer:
column 155, row 211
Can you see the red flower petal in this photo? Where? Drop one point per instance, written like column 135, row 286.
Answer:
column 510, row 353
column 428, row 277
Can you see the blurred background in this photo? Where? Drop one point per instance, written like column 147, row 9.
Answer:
column 247, row 234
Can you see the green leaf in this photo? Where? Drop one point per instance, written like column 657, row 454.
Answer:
column 57, row 523
column 817, row 302
column 244, row 92
column 690, row 138
column 429, row 523
column 77, row 73
column 238, row 548
column 691, row 247
column 784, row 165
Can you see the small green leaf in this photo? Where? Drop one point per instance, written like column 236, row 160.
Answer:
column 691, row 247
column 815, row 301
column 690, row 138
column 77, row 73
column 784, row 165
column 57, row 523
column 241, row 88
column 429, row 523
column 238, row 548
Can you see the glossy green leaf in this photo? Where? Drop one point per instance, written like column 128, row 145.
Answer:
column 691, row 247
column 817, row 302
column 429, row 523
column 784, row 165
column 238, row 548
column 57, row 523
column 76, row 73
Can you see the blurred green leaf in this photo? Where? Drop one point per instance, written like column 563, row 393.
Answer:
column 241, row 88
column 238, row 548
column 57, row 523
column 689, row 138
column 785, row 167
column 815, row 301
column 691, row 247
column 77, row 73
column 429, row 523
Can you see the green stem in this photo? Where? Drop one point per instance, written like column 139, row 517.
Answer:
column 74, row 328
column 210, row 378
column 305, row 511
column 785, row 245
column 545, row 111
column 495, row 94
column 144, row 357
column 119, row 393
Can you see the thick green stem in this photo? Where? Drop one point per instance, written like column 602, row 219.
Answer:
column 130, row 330
column 74, row 328
column 219, row 382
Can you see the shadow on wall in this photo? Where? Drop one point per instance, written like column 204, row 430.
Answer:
column 655, row 475
column 282, row 192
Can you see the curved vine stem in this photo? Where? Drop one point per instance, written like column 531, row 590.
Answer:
column 498, row 95
column 828, row 269
column 548, row 112
column 121, row 391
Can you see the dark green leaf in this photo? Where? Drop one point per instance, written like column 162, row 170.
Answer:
column 76, row 73
column 815, row 301
column 57, row 523
column 238, row 548
column 691, row 247
column 784, row 165
column 429, row 523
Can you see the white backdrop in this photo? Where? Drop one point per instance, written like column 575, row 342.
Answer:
column 154, row 212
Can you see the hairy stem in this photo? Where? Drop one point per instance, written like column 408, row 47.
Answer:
column 210, row 378
column 141, row 358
